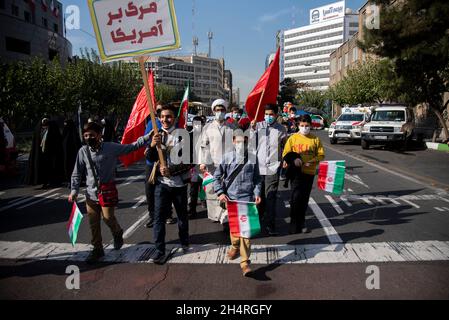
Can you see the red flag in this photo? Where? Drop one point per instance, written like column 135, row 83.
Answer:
column 137, row 123
column 183, row 110
column 268, row 82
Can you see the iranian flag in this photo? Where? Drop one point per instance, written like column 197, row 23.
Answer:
column 243, row 219
column 183, row 109
column 74, row 223
column 331, row 176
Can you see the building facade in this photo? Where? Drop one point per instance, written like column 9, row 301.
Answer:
column 349, row 54
column 171, row 71
column 208, row 77
column 305, row 51
column 30, row 29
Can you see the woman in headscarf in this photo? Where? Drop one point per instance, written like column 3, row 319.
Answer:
column 70, row 144
column 45, row 164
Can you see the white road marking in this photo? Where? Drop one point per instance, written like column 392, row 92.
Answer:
column 135, row 226
column 446, row 208
column 367, row 201
column 216, row 254
column 334, row 204
column 356, row 179
column 379, row 200
column 331, row 233
column 410, row 203
column 439, row 209
column 441, row 198
column 394, row 201
column 131, row 180
column 141, row 199
column 29, row 198
column 51, row 197
column 346, row 201
column 2, row 193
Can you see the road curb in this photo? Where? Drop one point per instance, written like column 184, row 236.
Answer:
column 437, row 146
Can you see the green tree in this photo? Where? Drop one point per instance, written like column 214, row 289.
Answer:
column 414, row 35
column 311, row 99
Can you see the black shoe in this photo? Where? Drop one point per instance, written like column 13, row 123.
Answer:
column 272, row 232
column 159, row 258
column 150, row 223
column 185, row 249
column 118, row 241
column 94, row 256
column 171, row 220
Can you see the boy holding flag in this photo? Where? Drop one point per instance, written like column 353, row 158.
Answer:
column 238, row 183
column 302, row 153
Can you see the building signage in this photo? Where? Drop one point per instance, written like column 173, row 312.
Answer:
column 328, row 12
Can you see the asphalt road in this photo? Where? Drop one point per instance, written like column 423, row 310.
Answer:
column 393, row 214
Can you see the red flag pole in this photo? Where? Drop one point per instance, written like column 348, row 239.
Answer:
column 151, row 107
column 260, row 103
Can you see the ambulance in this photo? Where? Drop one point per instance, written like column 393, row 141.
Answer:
column 348, row 126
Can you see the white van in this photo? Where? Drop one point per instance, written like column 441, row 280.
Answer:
column 388, row 124
column 348, row 125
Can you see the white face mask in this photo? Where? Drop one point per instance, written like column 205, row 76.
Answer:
column 219, row 116
column 304, row 130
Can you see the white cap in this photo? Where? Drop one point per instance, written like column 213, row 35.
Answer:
column 219, row 102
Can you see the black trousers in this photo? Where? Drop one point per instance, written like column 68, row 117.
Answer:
column 267, row 208
column 149, row 191
column 301, row 188
column 193, row 192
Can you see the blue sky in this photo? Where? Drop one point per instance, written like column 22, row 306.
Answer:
column 244, row 30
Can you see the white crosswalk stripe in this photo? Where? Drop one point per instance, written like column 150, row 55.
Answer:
column 334, row 204
column 439, row 209
column 50, row 197
column 27, row 199
column 331, row 233
column 417, row 251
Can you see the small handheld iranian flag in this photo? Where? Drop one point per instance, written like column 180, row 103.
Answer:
column 183, row 110
column 207, row 179
column 243, row 219
column 74, row 223
column 331, row 176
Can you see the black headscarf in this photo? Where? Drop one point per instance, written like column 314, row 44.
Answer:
column 71, row 143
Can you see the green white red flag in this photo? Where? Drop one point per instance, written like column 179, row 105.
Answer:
column 184, row 109
column 74, row 223
column 331, row 176
column 243, row 219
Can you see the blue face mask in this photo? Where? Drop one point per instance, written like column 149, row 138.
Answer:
column 269, row 119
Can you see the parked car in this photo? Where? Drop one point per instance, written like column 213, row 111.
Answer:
column 388, row 124
column 348, row 125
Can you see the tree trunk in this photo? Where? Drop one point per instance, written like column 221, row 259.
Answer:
column 442, row 122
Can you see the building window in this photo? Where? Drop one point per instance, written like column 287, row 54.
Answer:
column 45, row 22
column 27, row 16
column 353, row 24
column 17, row 45
column 15, row 10
column 346, row 60
column 55, row 27
column 339, row 64
column 2, row 4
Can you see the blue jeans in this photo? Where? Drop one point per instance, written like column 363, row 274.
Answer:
column 164, row 196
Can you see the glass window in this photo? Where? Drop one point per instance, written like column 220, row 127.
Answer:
column 389, row 116
column 350, row 117
column 346, row 59
column 355, row 54
column 27, row 16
